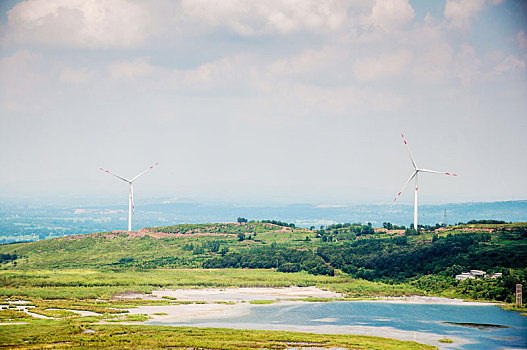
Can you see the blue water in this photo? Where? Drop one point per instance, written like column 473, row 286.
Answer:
column 419, row 318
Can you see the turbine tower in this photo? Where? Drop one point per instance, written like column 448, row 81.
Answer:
column 131, row 192
column 415, row 175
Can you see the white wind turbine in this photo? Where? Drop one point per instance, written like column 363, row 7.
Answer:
column 131, row 194
column 414, row 175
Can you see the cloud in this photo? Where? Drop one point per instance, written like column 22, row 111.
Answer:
column 75, row 76
column 381, row 67
column 432, row 65
column 92, row 24
column 467, row 66
column 510, row 63
column 248, row 18
column 308, row 64
column 230, row 74
column 432, row 50
column 137, row 68
column 458, row 13
column 390, row 14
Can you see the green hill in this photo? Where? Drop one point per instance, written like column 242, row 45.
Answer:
column 180, row 246
column 428, row 260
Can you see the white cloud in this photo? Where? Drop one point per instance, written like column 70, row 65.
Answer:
column 467, row 66
column 247, row 17
column 459, row 12
column 382, row 66
column 222, row 76
column 432, row 51
column 510, row 63
column 80, row 23
column 308, row 63
column 75, row 76
column 390, row 14
column 131, row 69
column 432, row 65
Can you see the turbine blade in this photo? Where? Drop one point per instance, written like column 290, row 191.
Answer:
column 410, row 153
column 406, row 184
column 118, row 176
column 437, row 172
column 141, row 174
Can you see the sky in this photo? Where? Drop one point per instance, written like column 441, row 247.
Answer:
column 278, row 101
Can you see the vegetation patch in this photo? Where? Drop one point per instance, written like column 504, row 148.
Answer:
column 446, row 340
column 262, row 302
column 60, row 334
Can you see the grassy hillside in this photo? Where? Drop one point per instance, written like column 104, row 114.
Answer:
column 427, row 260
column 181, row 246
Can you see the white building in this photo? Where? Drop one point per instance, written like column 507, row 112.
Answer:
column 478, row 273
column 465, row 276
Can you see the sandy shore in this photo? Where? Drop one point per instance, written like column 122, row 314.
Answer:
column 417, row 299
column 245, row 294
column 213, row 303
column 219, row 303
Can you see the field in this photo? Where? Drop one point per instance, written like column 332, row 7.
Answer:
column 81, row 334
column 93, row 284
column 73, row 281
column 61, row 293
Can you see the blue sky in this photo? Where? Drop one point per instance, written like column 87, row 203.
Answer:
column 276, row 101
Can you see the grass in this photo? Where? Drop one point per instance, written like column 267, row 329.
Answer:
column 162, row 247
column 67, row 334
column 93, row 284
column 446, row 340
column 94, row 290
column 127, row 318
column 262, row 302
column 514, row 307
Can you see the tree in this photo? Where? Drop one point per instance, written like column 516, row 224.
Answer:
column 241, row 236
column 242, row 220
column 198, row 249
column 224, row 251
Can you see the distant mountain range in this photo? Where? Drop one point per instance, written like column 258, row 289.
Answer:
column 309, row 214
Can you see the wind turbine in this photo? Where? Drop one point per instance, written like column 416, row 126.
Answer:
column 131, row 193
column 415, row 175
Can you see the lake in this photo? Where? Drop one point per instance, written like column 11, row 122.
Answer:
column 470, row 326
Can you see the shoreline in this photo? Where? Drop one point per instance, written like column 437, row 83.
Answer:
column 276, row 294
column 428, row 338
column 420, row 299
column 214, row 303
